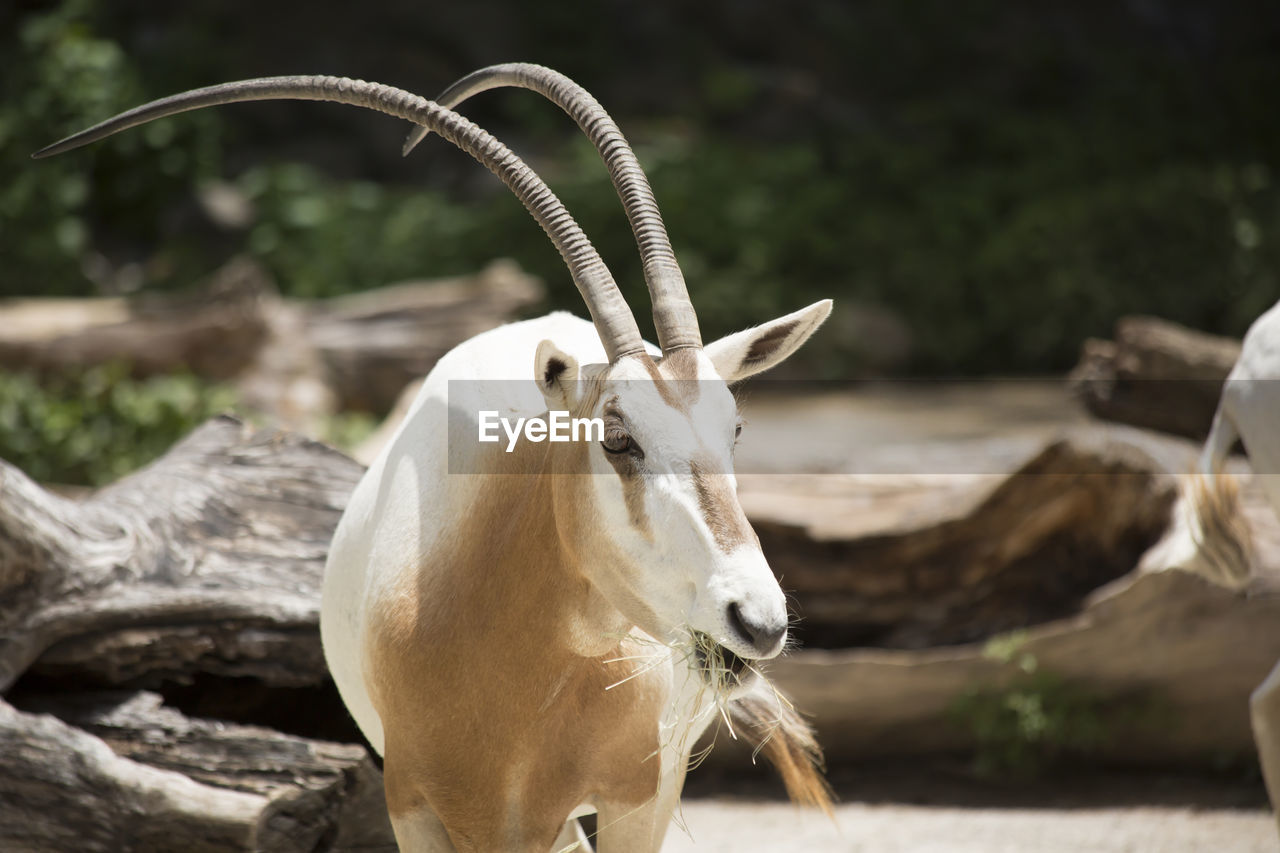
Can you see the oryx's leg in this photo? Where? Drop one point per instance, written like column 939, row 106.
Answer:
column 1264, row 707
column 571, row 838
column 631, row 828
column 481, row 819
column 420, row 831
column 639, row 827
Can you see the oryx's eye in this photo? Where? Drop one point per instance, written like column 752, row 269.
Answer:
column 616, row 441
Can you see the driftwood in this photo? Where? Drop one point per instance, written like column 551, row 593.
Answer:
column 1168, row 660
column 209, row 560
column 886, row 562
column 294, row 361
column 1156, row 374
column 1165, row 660
column 117, row 771
column 359, row 352
column 213, row 333
column 374, row 344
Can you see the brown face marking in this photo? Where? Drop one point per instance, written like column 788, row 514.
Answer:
column 765, row 345
column 680, row 364
column 676, row 377
column 720, row 509
column 627, row 466
column 680, row 368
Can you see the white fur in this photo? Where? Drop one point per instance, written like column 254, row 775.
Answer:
column 407, row 495
column 1250, row 407
column 729, row 353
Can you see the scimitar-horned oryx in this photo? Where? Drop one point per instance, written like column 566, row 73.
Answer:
column 528, row 636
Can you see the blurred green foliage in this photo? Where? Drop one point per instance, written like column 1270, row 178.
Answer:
column 92, row 428
column 1031, row 724
column 1008, row 180
column 61, row 214
column 1037, row 719
column 347, row 430
column 1041, row 278
column 1026, row 725
column 326, row 237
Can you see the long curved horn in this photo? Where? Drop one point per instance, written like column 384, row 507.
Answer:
column 613, row 319
column 673, row 313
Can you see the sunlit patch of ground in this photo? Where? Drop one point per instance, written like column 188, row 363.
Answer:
column 745, row 827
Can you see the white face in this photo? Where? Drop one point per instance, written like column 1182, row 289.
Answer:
column 665, row 497
column 671, row 547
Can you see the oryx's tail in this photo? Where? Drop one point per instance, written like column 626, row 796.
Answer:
column 767, row 721
column 1216, row 519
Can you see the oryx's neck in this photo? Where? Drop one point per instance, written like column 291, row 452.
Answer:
column 499, row 632
column 506, row 573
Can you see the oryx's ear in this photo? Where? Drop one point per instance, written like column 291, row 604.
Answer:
column 748, row 352
column 557, row 375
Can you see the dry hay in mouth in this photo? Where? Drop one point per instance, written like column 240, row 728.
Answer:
column 720, row 668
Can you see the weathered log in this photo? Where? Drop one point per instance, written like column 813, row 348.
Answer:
column 118, row 771
column 209, row 560
column 292, row 360
column 1168, row 660
column 1165, row 660
column 213, row 332
column 1156, row 374
column 374, row 344
column 916, row 562
column 358, row 352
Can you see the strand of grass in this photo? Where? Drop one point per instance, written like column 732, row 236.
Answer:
column 639, row 672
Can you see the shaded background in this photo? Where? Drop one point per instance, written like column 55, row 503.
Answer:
column 1004, row 180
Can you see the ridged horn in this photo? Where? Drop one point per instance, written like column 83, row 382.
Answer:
column 613, row 319
column 673, row 313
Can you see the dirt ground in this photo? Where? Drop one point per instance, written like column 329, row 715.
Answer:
column 719, row 826
column 964, row 427
column 940, row 807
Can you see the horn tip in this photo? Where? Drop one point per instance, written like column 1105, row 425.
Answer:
column 47, row 151
column 70, row 143
column 416, row 135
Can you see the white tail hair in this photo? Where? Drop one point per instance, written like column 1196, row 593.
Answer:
column 1208, row 533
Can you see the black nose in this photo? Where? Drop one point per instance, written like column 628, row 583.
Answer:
column 764, row 635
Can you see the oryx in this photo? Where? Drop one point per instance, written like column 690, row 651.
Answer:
column 527, row 635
